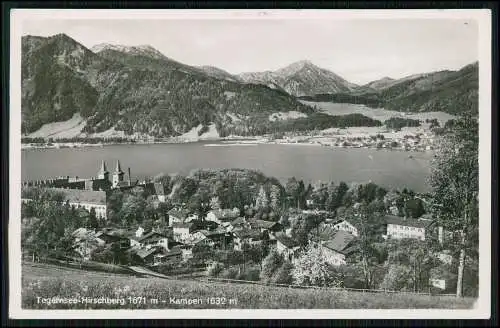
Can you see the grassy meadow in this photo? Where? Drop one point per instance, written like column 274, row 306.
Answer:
column 47, row 281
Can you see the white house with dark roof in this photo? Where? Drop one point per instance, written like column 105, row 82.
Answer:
column 88, row 199
column 399, row 228
column 223, row 215
column 246, row 236
column 177, row 215
column 347, row 226
column 182, row 231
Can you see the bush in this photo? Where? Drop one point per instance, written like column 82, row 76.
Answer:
column 283, row 275
column 399, row 277
column 250, row 273
column 214, row 269
column 270, row 264
column 230, row 273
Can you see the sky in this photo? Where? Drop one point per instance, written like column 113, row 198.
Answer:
column 360, row 50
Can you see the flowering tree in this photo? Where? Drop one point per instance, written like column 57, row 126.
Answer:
column 312, row 269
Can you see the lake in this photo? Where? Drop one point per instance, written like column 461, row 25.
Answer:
column 310, row 163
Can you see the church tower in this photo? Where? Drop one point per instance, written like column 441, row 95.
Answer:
column 117, row 175
column 103, row 172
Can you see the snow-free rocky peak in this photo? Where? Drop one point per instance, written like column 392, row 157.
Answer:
column 143, row 50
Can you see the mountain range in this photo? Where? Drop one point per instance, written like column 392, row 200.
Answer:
column 453, row 92
column 139, row 90
column 301, row 78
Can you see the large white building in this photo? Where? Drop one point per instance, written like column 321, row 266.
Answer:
column 87, row 199
column 399, row 228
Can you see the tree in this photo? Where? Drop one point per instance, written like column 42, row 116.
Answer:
column 132, row 210
column 368, row 222
column 283, row 275
column 275, row 197
column 454, row 179
column 416, row 255
column 414, row 208
column 270, row 265
column 215, row 203
column 312, row 269
column 93, row 223
column 261, row 202
column 398, row 277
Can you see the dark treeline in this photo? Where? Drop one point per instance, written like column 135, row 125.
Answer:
column 314, row 122
column 398, row 122
column 369, row 99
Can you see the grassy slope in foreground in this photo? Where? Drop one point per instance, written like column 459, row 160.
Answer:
column 48, row 281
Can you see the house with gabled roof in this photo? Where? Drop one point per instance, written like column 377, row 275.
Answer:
column 223, row 215
column 113, row 235
column 177, row 215
column 146, row 254
column 246, row 236
column 286, row 246
column 182, row 231
column 156, row 239
column 171, row 257
column 347, row 225
column 85, row 241
column 339, row 248
column 236, row 224
column 399, row 227
column 263, row 226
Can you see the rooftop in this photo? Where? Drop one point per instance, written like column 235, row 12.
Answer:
column 179, row 213
column 144, row 252
column 408, row 222
column 287, row 241
column 341, row 242
column 152, row 234
column 248, row 233
column 255, row 223
column 238, row 221
column 182, row 224
column 226, row 214
column 82, row 196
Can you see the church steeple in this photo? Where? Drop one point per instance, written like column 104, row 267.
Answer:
column 117, row 175
column 118, row 168
column 103, row 172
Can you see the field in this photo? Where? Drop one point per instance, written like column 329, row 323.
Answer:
column 376, row 113
column 43, row 281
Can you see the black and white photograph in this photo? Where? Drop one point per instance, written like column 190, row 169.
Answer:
column 232, row 162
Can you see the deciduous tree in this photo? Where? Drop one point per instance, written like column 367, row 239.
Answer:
column 454, row 179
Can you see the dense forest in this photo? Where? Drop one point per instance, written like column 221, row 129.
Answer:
column 453, row 92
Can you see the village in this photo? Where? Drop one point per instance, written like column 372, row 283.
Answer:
column 183, row 236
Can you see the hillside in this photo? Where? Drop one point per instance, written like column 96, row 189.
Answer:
column 452, row 92
column 219, row 73
column 136, row 90
column 301, row 78
column 380, row 84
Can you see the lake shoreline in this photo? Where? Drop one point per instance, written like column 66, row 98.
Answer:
column 338, row 141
